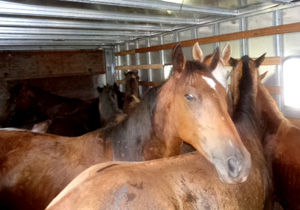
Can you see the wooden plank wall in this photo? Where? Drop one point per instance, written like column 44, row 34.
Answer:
column 67, row 73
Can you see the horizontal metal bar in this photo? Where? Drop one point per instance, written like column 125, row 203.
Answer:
column 55, row 43
column 160, row 5
column 39, row 48
column 40, row 31
column 78, row 24
column 10, row 8
column 62, row 37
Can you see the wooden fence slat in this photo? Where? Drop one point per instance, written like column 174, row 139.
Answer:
column 267, row 61
column 287, row 28
column 133, row 67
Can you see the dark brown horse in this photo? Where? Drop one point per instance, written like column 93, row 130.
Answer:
column 281, row 139
column 28, row 105
column 131, row 99
column 190, row 107
column 182, row 182
column 108, row 106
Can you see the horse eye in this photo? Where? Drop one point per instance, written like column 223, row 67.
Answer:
column 189, row 96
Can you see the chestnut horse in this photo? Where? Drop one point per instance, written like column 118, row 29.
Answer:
column 281, row 139
column 28, row 105
column 183, row 182
column 131, row 91
column 190, row 106
column 108, row 106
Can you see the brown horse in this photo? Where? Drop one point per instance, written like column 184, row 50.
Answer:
column 182, row 182
column 190, row 107
column 281, row 139
column 28, row 105
column 108, row 106
column 131, row 99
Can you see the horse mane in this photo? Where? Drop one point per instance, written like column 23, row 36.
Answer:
column 137, row 125
column 249, row 124
column 245, row 110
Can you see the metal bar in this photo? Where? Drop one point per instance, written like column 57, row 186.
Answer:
column 54, row 43
column 42, row 31
column 52, row 48
column 161, row 5
column 69, row 24
column 9, row 8
column 62, row 37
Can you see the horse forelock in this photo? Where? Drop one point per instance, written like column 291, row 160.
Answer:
column 194, row 66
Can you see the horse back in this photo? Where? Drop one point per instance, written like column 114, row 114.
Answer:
column 42, row 165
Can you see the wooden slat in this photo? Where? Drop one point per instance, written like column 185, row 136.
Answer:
column 288, row 28
column 269, row 61
column 134, row 67
column 142, row 83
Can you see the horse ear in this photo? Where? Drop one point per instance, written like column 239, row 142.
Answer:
column 99, row 89
column 226, row 53
column 263, row 75
column 197, row 53
column 215, row 60
column 233, row 61
column 125, row 74
column 178, row 59
column 259, row 60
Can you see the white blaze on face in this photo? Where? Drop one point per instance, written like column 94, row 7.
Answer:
column 210, row 82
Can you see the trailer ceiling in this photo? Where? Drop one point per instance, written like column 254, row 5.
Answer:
column 94, row 24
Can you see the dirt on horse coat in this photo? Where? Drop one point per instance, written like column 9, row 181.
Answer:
column 281, row 139
column 36, row 167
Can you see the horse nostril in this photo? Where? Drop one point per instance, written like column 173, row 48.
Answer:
column 234, row 167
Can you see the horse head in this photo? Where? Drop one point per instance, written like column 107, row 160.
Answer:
column 200, row 115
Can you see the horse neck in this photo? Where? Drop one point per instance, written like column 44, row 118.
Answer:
column 269, row 111
column 129, row 136
column 144, row 134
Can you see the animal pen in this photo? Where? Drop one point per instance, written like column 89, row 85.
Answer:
column 140, row 35
column 72, row 47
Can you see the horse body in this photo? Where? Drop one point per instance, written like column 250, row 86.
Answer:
column 187, row 181
column 280, row 138
column 186, row 108
column 29, row 105
column 183, row 182
column 33, row 182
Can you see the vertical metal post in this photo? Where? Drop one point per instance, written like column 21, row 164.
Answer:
column 149, row 61
column 110, row 66
column 138, row 62
column 278, row 20
column 161, row 57
column 244, row 27
column 216, row 33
